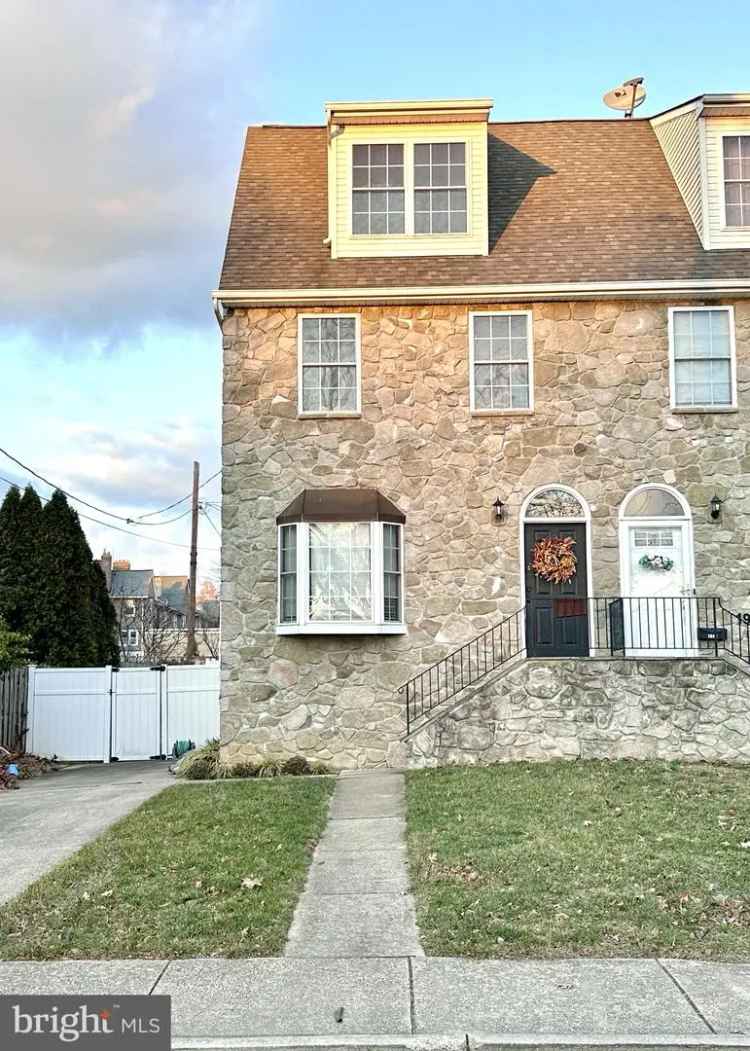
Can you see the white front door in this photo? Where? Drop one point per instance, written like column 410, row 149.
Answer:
column 659, row 611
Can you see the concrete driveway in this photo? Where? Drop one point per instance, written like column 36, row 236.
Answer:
column 50, row 817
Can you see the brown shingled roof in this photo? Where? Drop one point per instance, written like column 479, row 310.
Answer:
column 569, row 201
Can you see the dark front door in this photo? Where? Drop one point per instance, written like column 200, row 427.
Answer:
column 557, row 623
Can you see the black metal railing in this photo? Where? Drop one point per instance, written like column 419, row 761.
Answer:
column 735, row 629
column 629, row 626
column 638, row 626
column 465, row 666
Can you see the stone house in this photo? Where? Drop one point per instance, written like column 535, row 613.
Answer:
column 487, row 436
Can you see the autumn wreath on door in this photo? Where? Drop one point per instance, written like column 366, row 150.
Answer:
column 553, row 559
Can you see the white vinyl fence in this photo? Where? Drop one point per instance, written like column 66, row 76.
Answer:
column 132, row 713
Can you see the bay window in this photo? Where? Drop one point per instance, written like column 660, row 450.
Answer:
column 340, row 564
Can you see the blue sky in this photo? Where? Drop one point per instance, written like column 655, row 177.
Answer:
column 122, row 124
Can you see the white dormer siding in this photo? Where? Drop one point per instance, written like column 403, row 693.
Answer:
column 721, row 234
column 692, row 139
column 377, row 124
column 679, row 137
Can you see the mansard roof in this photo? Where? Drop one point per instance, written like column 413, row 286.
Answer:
column 569, row 201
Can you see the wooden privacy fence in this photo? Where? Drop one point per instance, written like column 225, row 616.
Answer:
column 14, row 695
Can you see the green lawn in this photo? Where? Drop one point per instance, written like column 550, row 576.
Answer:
column 167, row 881
column 581, row 859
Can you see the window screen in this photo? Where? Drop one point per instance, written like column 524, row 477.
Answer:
column 440, row 188
column 737, row 179
column 329, row 364
column 378, row 189
column 501, row 361
column 702, row 358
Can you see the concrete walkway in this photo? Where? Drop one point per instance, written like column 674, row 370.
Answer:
column 52, row 816
column 423, row 1002
column 357, row 902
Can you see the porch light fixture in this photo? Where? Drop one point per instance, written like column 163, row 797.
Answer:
column 715, row 507
column 499, row 508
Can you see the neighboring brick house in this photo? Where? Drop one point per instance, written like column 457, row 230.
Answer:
column 455, row 350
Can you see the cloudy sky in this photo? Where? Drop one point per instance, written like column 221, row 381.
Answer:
column 121, row 126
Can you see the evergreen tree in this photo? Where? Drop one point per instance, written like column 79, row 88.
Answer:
column 51, row 589
column 67, row 614
column 105, row 619
column 8, row 532
column 20, row 564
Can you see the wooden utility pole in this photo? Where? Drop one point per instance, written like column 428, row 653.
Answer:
column 190, row 649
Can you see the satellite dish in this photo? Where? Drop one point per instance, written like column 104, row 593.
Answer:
column 625, row 98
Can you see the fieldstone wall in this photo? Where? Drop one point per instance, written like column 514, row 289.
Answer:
column 601, row 424
column 597, row 709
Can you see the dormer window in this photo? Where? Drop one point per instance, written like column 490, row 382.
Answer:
column 408, row 178
column 378, row 189
column 737, row 179
column 440, row 188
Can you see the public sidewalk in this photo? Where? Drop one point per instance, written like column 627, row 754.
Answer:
column 420, row 1002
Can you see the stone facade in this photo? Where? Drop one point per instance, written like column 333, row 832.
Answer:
column 596, row 709
column 602, row 424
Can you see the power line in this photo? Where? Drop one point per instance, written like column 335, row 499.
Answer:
column 169, row 507
column 119, row 529
column 100, row 510
column 210, row 521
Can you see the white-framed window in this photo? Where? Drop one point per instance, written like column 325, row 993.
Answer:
column 340, row 578
column 378, row 198
column 130, row 638
column 736, row 178
column 440, row 188
column 328, row 356
column 703, row 371
column 501, row 361
column 410, row 189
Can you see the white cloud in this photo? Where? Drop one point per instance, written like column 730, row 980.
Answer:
column 122, row 123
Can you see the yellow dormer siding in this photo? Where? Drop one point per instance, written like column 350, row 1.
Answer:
column 409, row 124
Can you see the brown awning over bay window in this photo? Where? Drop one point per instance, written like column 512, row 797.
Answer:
column 340, row 505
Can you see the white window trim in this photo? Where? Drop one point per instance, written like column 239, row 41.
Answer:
column 530, row 345
column 674, row 406
column 337, row 413
column 303, row 625
column 409, row 191
column 726, row 228
column 395, row 189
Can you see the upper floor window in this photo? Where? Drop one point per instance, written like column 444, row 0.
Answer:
column 501, row 362
column 702, row 357
column 440, row 188
column 328, row 364
column 378, row 189
column 737, row 180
